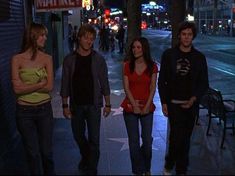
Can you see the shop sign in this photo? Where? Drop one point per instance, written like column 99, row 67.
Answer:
column 56, row 5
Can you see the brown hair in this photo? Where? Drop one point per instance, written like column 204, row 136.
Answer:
column 30, row 38
column 86, row 28
column 146, row 53
column 187, row 25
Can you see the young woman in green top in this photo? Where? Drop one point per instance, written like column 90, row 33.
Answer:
column 32, row 79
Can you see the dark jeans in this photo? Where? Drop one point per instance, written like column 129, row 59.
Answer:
column 35, row 124
column 87, row 116
column 181, row 127
column 141, row 155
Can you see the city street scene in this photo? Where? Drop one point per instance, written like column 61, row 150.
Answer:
column 115, row 29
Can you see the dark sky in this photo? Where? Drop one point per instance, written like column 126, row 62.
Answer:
column 114, row 3
column 118, row 3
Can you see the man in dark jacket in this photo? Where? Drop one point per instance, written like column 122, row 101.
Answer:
column 84, row 86
column 183, row 79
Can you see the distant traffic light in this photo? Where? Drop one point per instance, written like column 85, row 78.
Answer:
column 107, row 12
column 106, row 15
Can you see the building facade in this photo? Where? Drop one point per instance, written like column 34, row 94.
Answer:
column 215, row 17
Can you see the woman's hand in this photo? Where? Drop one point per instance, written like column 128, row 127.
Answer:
column 145, row 110
column 189, row 103
column 136, row 110
column 43, row 82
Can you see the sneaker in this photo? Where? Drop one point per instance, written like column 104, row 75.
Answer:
column 167, row 172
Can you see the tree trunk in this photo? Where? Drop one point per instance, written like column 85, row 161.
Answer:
column 133, row 20
column 177, row 15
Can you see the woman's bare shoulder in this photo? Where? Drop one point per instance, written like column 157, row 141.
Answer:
column 44, row 56
column 18, row 57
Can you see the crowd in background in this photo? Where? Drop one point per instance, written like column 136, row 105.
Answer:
column 109, row 39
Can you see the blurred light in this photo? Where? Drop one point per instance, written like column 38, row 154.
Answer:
column 115, row 27
column 116, row 13
column 106, row 20
column 190, row 18
column 143, row 25
column 107, row 12
column 152, row 3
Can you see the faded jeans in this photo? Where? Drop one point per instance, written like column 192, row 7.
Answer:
column 141, row 155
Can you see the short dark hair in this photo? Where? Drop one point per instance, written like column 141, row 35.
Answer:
column 86, row 28
column 185, row 25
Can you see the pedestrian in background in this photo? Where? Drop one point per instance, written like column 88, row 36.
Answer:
column 139, row 79
column 183, row 79
column 83, row 87
column 70, row 37
column 120, row 37
column 32, row 79
column 75, row 37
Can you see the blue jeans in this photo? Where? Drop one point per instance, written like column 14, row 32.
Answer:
column 87, row 117
column 141, row 155
column 35, row 124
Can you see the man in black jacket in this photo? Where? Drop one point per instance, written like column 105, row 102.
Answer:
column 183, row 79
column 84, row 85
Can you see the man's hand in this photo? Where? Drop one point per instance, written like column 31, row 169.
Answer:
column 165, row 110
column 189, row 103
column 106, row 111
column 67, row 113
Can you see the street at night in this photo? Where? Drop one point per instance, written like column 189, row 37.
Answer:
column 219, row 51
column 31, row 63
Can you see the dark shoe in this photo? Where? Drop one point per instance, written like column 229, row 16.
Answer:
column 147, row 173
column 83, row 166
column 183, row 173
column 166, row 172
column 91, row 172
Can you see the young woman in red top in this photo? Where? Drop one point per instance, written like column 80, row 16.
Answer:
column 139, row 79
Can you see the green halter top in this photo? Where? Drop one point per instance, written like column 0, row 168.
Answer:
column 32, row 76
